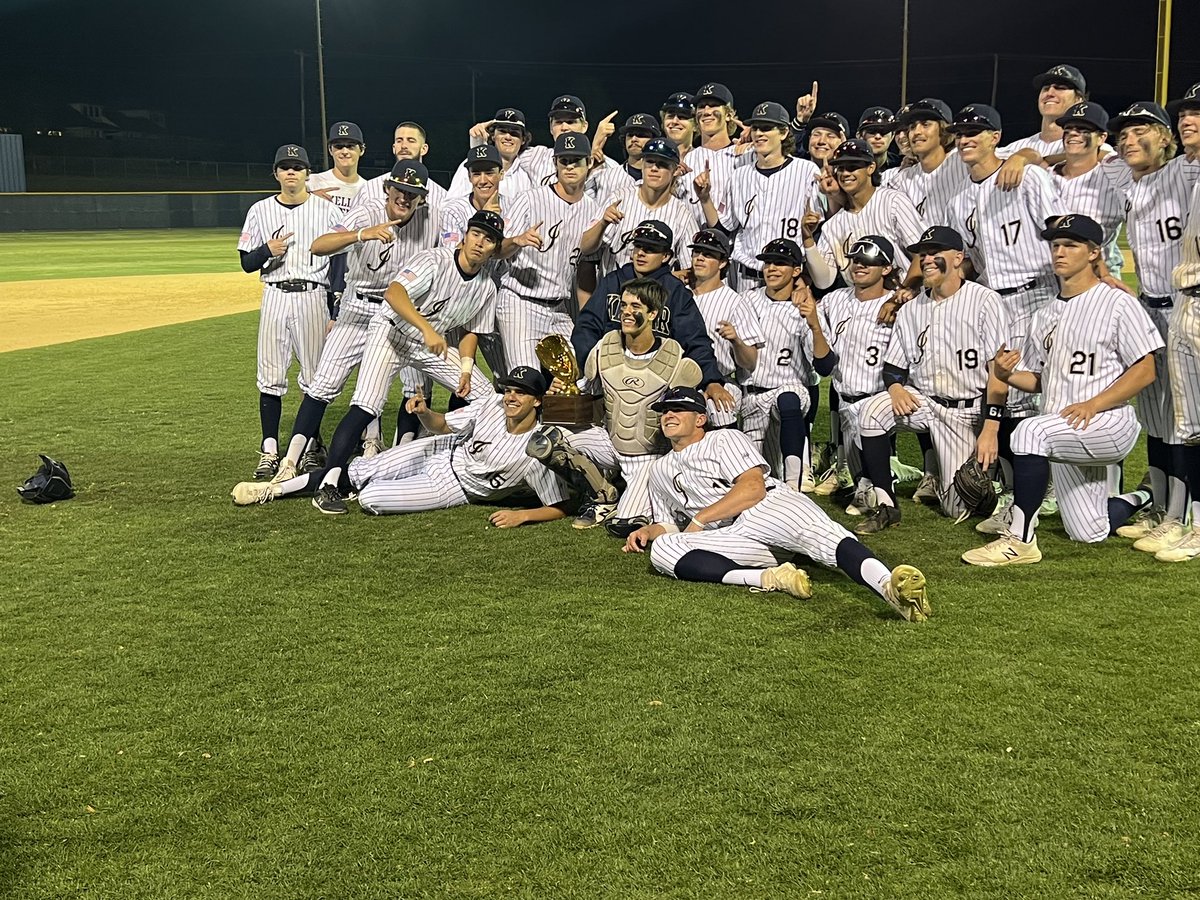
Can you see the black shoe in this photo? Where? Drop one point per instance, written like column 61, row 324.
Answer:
column 880, row 518
column 329, row 501
column 623, row 528
column 312, row 460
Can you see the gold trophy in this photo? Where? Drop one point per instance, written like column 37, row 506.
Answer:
column 570, row 407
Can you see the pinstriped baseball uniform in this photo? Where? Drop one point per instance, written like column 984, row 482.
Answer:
column 480, row 462
column 1100, row 195
column 447, row 299
column 342, row 193
column 1042, row 148
column 1157, row 216
column 537, row 287
column 762, row 207
column 932, row 192
column 1081, row 346
column 455, row 214
column 617, row 238
column 1183, row 333
column 945, row 345
column 721, row 165
column 515, row 181
column 606, row 181
column 890, row 214
column 538, row 162
column 290, row 322
column 683, row 482
column 726, row 305
column 852, row 330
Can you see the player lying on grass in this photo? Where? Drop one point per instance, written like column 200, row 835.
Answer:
column 476, row 455
column 719, row 517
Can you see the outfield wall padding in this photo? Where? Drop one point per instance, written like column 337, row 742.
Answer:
column 109, row 212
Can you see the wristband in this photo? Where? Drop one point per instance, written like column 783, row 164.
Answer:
column 698, row 523
column 465, row 365
column 993, row 412
column 360, row 231
column 669, row 527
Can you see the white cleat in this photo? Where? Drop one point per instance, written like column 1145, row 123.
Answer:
column 1141, row 524
column 287, row 471
column 372, row 447
column 248, row 493
column 1163, row 537
column 1006, row 550
column 1186, row 550
column 905, row 593
column 786, row 578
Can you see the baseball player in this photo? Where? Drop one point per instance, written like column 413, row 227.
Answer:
column 718, row 129
column 485, row 174
column 939, row 172
column 1088, row 356
column 437, row 291
column 877, row 126
column 763, row 201
column 678, row 117
column 1183, row 333
column 567, row 115
column 817, row 136
column 408, row 143
column 935, row 370
column 1059, row 88
column 719, row 517
column 341, row 183
column 545, row 227
column 508, row 135
column 378, row 239
column 477, row 455
column 606, row 181
column 275, row 242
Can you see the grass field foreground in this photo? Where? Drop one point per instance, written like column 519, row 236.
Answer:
column 72, row 254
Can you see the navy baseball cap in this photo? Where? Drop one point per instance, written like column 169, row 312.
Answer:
column 1068, row 75
column 572, row 144
column 928, row 110
column 345, row 133
column 1086, row 115
column 525, row 379
column 976, row 117
column 641, row 123
column 680, row 102
column 877, row 118
column 680, row 399
column 935, row 239
column 1143, row 112
column 852, row 154
column 1190, row 100
column 567, row 106
column 653, row 235
column 873, row 250
column 712, row 240
column 714, row 91
column 782, row 250
column 770, row 113
column 291, row 153
column 661, row 148
column 485, row 156
column 409, row 176
column 834, row 121
column 1075, row 226
column 507, row 115
column 488, row 221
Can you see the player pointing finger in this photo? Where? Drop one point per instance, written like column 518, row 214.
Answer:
column 530, row 238
column 807, row 105
column 278, row 246
column 613, row 214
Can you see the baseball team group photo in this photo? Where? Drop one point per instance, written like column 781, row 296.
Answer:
column 656, row 482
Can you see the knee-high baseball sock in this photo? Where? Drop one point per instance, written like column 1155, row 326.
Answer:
column 877, row 466
column 1122, row 508
column 862, row 565
column 270, row 410
column 704, row 565
column 301, row 484
column 1177, row 489
column 407, row 424
column 835, row 420
column 308, row 423
column 1158, row 459
column 1004, row 453
column 928, row 455
column 814, row 403
column 793, row 434
column 1032, row 474
column 373, row 431
column 1191, row 469
column 345, row 439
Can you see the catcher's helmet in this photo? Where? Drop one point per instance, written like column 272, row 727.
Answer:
column 49, row 484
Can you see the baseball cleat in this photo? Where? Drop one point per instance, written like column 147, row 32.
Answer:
column 927, row 491
column 1141, row 524
column 824, row 456
column 312, row 460
column 1049, row 505
column 594, row 514
column 1006, row 550
column 1000, row 519
column 863, row 500
column 287, row 471
column 834, row 480
column 788, row 579
column 1163, row 537
column 329, row 500
column 905, row 593
column 372, row 447
column 903, row 472
column 881, row 517
column 247, row 493
column 268, row 465
column 1185, row 550
column 623, row 528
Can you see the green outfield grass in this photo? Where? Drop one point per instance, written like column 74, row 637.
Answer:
column 203, row 701
column 91, row 254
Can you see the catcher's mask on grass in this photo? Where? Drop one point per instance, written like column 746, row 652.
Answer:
column 49, row 484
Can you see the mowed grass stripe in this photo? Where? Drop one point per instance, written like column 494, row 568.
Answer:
column 92, row 254
column 199, row 700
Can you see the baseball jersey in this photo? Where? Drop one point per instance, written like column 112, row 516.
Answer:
column 852, row 330
column 372, row 265
column 490, row 462
column 763, row 206
column 890, row 214
column 373, row 189
column 605, row 181
column 721, row 165
column 546, row 273
column 785, row 356
column 726, row 305
column 342, row 193
column 1002, row 230
column 444, row 295
column 1187, row 273
column 1100, row 195
column 946, row 344
column 456, row 212
column 1083, row 344
column 1157, row 213
column 683, row 482
column 673, row 213
column 931, row 192
column 307, row 221
column 515, row 181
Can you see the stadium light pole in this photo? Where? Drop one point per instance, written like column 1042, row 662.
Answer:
column 303, row 119
column 1162, row 52
column 904, row 58
column 321, row 78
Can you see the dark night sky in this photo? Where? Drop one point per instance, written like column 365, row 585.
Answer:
column 229, row 70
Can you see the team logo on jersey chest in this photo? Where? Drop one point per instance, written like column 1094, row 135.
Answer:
column 1048, row 340
column 553, row 233
column 477, row 447
column 434, row 308
column 922, row 342
column 384, row 255
column 971, row 221
column 750, row 205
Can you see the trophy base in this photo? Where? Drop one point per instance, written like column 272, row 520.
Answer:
column 576, row 410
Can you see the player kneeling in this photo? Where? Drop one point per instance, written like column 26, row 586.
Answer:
column 477, row 455
column 1088, row 356
column 719, row 518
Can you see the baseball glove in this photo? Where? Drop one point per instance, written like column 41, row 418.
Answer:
column 975, row 488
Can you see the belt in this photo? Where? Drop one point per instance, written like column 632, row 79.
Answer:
column 755, row 389
column 541, row 302
column 955, row 404
column 296, row 286
column 852, row 398
column 1029, row 285
column 1159, row 302
column 371, row 298
column 749, row 272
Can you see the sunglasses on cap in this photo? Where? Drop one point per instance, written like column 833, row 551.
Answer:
column 868, row 252
column 649, row 233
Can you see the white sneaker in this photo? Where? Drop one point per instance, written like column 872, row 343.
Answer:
column 287, row 471
column 248, row 493
column 834, row 480
column 1006, row 550
column 998, row 521
column 786, row 578
column 372, row 447
column 1141, row 524
column 1185, row 550
column 1163, row 537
